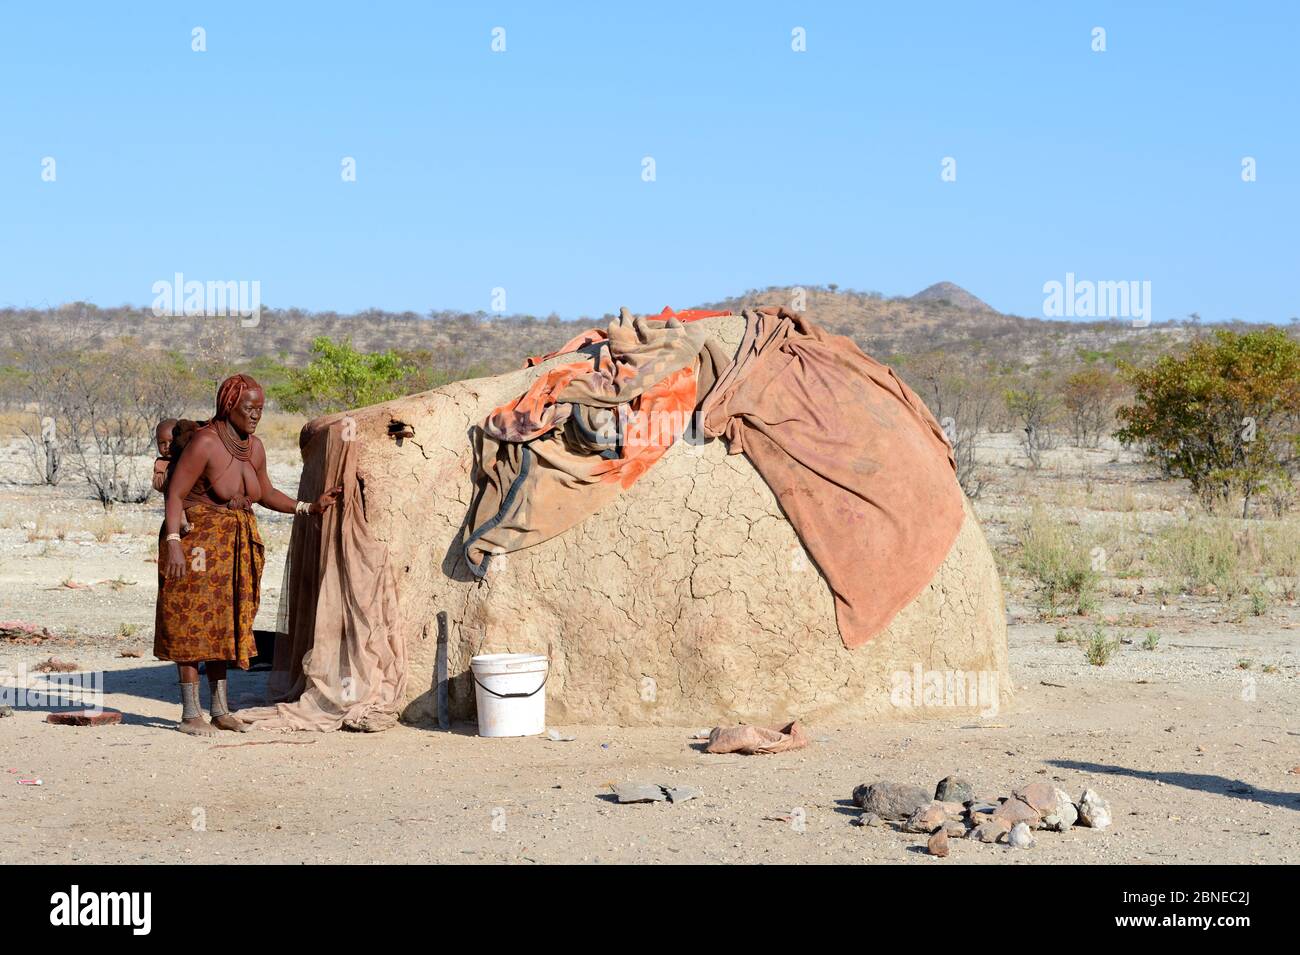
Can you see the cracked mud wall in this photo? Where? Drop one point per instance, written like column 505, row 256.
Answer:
column 688, row 600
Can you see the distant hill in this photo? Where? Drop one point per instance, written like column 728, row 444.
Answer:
column 946, row 320
column 953, row 295
column 943, row 317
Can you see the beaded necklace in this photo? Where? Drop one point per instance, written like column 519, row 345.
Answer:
column 239, row 450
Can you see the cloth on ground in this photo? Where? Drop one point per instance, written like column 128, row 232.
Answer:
column 339, row 659
column 754, row 740
column 857, row 462
column 584, row 432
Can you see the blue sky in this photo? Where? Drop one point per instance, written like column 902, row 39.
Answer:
column 523, row 169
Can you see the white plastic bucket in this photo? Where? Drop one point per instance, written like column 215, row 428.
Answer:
column 510, row 689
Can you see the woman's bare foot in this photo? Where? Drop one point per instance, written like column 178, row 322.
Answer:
column 228, row 721
column 197, row 727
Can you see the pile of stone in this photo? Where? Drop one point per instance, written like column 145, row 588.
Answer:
column 955, row 812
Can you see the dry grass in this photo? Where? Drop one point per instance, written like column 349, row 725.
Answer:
column 279, row 431
column 1060, row 559
column 12, row 423
column 106, row 526
column 1210, row 554
column 1068, row 539
column 46, row 528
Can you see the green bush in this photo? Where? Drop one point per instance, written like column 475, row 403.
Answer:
column 1098, row 647
column 1225, row 414
column 340, row 378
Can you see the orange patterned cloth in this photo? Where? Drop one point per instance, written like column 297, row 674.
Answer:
column 584, row 432
column 208, row 613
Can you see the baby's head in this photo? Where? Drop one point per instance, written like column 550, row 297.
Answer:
column 162, row 436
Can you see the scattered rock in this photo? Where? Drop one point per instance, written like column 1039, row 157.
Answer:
column 1010, row 819
column 82, row 718
column 869, row 819
column 990, row 831
column 890, row 800
column 639, row 792
column 131, row 654
column 1094, row 811
column 653, row 792
column 1020, row 837
column 954, row 789
column 1061, row 816
column 6, row 711
column 927, row 819
column 1016, row 810
column 1039, row 796
column 978, row 810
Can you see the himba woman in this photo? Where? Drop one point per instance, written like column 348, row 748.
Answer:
column 209, row 580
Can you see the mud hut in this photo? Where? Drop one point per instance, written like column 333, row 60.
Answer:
column 688, row 599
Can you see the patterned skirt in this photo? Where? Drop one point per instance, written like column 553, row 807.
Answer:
column 208, row 613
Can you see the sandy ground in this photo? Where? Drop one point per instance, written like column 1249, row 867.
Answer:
column 1196, row 744
column 1193, row 772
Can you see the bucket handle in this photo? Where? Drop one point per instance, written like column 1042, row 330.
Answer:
column 511, row 696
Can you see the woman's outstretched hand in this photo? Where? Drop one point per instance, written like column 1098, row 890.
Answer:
column 328, row 500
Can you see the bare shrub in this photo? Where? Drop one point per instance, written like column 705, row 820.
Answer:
column 962, row 400
column 97, row 408
column 1036, row 409
column 1088, row 399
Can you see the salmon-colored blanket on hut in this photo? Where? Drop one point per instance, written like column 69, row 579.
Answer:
column 584, row 432
column 857, row 462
